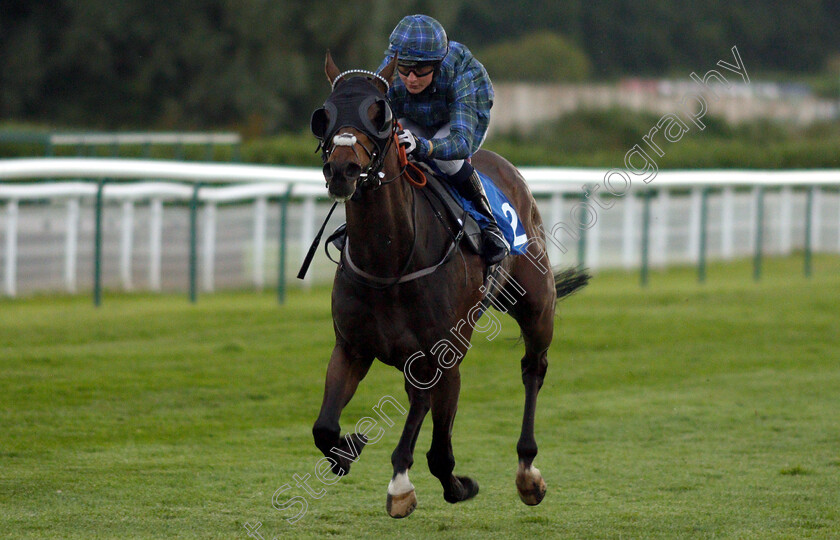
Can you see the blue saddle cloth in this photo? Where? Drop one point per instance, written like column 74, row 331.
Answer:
column 504, row 212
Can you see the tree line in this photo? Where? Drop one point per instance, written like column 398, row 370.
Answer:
column 257, row 65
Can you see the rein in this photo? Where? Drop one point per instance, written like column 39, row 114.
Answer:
column 409, row 166
column 417, row 178
column 403, row 278
column 377, row 282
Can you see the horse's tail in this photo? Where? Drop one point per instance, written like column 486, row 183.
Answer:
column 570, row 280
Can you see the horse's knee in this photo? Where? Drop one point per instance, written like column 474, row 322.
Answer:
column 534, row 367
column 325, row 437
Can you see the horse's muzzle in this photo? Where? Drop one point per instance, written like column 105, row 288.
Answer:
column 342, row 179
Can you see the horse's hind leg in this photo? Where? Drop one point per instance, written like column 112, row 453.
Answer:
column 343, row 376
column 440, row 458
column 529, row 481
column 536, row 319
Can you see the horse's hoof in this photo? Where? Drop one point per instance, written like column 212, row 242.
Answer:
column 469, row 489
column 400, row 506
column 530, row 484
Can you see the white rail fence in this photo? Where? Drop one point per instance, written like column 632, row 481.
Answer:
column 80, row 224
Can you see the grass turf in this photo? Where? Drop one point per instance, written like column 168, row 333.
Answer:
column 680, row 410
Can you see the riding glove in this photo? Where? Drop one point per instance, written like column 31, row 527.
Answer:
column 416, row 147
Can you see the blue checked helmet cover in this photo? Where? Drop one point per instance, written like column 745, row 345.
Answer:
column 418, row 38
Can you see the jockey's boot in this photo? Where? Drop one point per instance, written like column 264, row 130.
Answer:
column 494, row 247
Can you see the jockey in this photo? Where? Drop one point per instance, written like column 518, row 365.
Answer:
column 442, row 100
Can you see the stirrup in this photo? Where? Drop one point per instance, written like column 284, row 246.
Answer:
column 494, row 246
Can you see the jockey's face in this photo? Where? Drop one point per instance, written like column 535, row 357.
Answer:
column 416, row 79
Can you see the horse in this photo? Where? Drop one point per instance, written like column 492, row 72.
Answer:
column 400, row 294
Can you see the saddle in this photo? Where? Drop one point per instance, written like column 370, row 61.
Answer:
column 445, row 205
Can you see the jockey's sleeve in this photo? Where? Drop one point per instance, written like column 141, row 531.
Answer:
column 463, row 118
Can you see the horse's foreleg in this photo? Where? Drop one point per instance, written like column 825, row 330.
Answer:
column 440, row 458
column 529, row 481
column 401, row 499
column 343, row 376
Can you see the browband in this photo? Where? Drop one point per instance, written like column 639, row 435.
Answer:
column 361, row 72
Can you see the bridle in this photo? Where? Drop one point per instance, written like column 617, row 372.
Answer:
column 372, row 175
column 328, row 122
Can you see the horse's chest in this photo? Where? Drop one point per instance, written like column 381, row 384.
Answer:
column 391, row 331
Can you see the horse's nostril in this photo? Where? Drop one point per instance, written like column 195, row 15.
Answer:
column 352, row 171
column 328, row 171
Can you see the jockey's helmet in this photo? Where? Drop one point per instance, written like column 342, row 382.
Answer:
column 418, row 39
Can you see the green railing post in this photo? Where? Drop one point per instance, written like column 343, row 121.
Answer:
column 704, row 211
column 97, row 246
column 281, row 258
column 648, row 193
column 194, row 243
column 759, row 232
column 809, row 212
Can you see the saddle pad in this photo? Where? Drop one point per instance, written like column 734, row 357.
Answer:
column 504, row 212
column 452, row 207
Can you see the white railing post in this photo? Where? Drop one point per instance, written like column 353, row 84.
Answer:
column 754, row 195
column 126, row 246
column 728, row 223
column 659, row 253
column 307, row 232
column 11, row 247
column 785, row 220
column 593, row 241
column 155, row 240
column 838, row 226
column 71, row 245
column 260, row 218
column 554, row 254
column 816, row 219
column 629, row 249
column 693, row 243
column 208, row 251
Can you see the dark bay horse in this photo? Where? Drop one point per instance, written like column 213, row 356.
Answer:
column 402, row 299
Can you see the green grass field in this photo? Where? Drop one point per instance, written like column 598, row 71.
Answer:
column 678, row 411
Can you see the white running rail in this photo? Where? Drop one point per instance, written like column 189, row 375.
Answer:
column 688, row 214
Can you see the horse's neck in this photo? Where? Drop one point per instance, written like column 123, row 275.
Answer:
column 381, row 226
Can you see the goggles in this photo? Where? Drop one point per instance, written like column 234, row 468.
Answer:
column 419, row 71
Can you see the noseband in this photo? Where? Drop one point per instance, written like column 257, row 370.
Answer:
column 348, row 106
